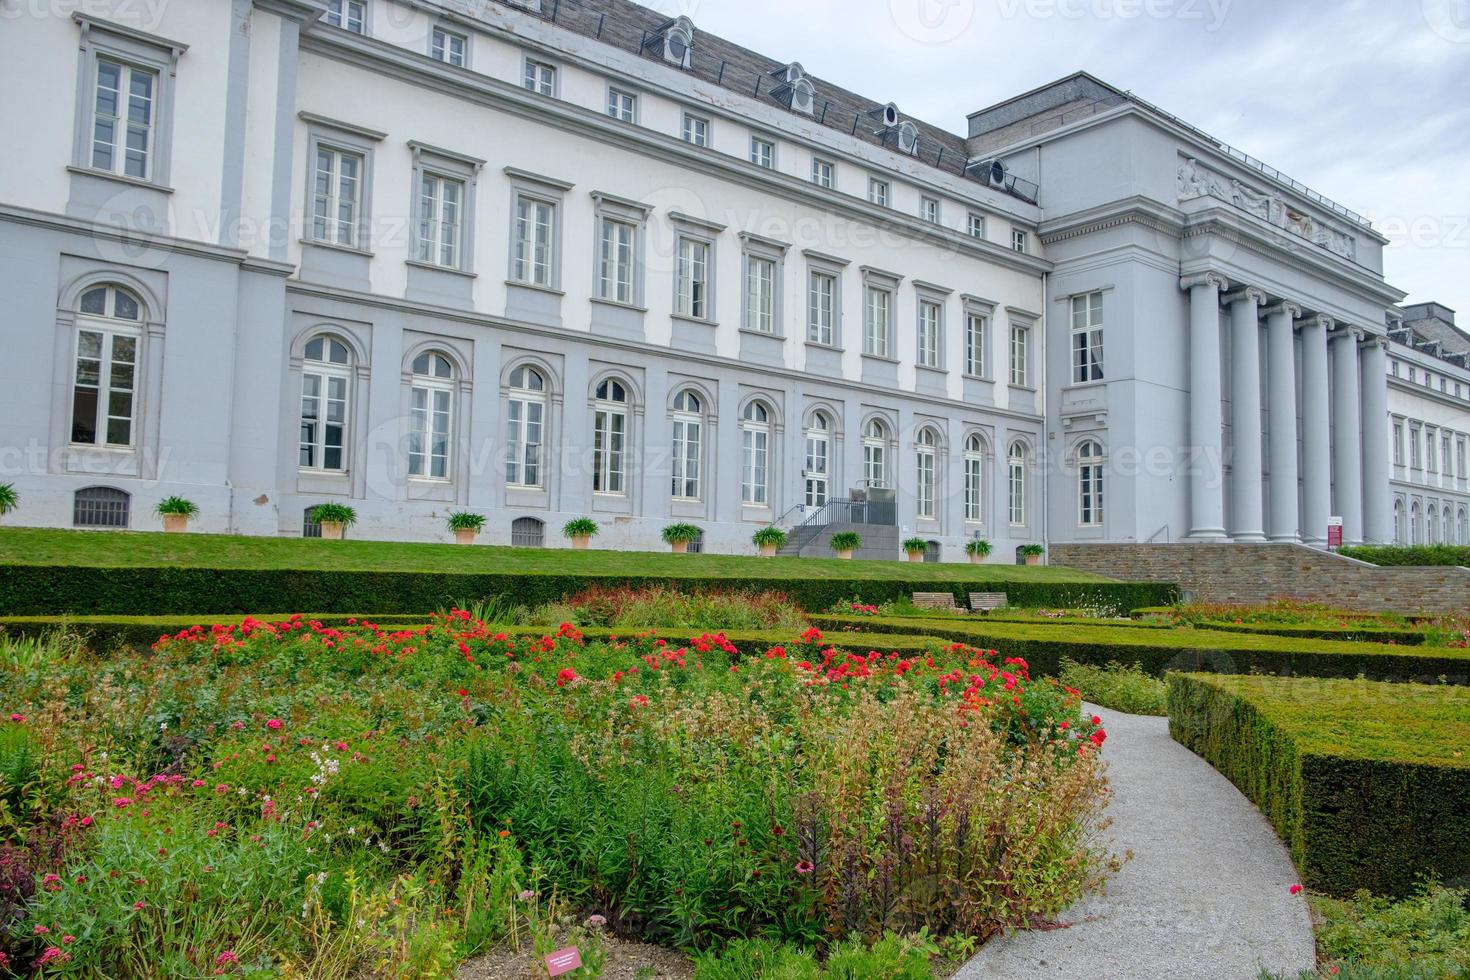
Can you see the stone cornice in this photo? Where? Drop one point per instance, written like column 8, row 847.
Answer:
column 124, row 236
column 1136, row 210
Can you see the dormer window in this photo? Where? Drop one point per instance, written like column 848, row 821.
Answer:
column 675, row 42
column 794, row 90
column 908, row 138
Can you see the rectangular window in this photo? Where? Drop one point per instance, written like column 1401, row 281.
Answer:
column 878, row 192
column 1429, row 450
column 824, row 173
column 1446, row 466
column 762, row 153
column 1020, row 340
column 622, row 105
column 1090, row 495
column 525, row 419
column 1087, row 338
column 1398, row 443
column 691, row 279
column 686, row 457
column 976, row 225
column 323, row 420
column 974, row 484
column 1460, row 458
column 448, row 47
column 929, row 210
column 931, row 329
column 615, row 258
column 534, row 245
column 350, row 15
column 816, row 468
column 821, row 308
column 123, row 119
column 755, row 444
column 1018, row 240
column 975, row 329
column 924, row 491
column 103, row 389
column 428, row 435
column 1017, row 501
column 1414, row 451
column 696, row 129
column 760, row 294
column 539, row 77
column 440, row 221
column 337, row 196
column 877, row 310
column 608, row 438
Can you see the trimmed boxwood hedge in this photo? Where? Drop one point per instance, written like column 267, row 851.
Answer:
column 1361, row 634
column 1424, row 554
column 1359, row 779
column 1044, row 646
column 49, row 590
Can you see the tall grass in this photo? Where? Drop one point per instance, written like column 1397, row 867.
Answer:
column 1129, row 689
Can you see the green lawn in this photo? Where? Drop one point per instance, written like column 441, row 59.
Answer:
column 44, row 546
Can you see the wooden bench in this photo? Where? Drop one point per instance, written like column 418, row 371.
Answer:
column 935, row 600
column 987, row 601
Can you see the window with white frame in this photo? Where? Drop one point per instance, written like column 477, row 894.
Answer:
column 878, row 192
column 337, row 199
column 824, row 173
column 976, row 225
column 539, row 77
column 326, row 371
column 755, row 445
column 123, row 118
column 696, row 129
column 617, row 252
column 1447, row 465
column 441, row 227
column 974, row 479
column 123, row 121
column 1020, row 344
column 760, row 293
column 448, row 47
column 1429, row 457
column 431, row 400
column 762, row 153
column 1016, row 467
column 1018, row 240
column 875, row 454
column 609, row 437
column 930, row 333
column 692, row 278
column 821, row 319
column 926, row 465
column 1090, row 484
column 1398, row 442
column 525, row 428
column 350, row 15
column 877, row 320
column 817, row 470
column 929, row 209
column 1087, row 338
column 1416, row 518
column 678, row 43
column 1414, row 443
column 976, row 327
column 688, row 428
column 105, row 377
column 1460, row 458
column 622, row 105
column 535, row 228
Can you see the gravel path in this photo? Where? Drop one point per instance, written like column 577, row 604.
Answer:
column 1206, row 894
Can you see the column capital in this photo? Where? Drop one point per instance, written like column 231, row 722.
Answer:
column 1374, row 340
column 1204, row 279
column 1344, row 331
column 1320, row 320
column 1245, row 293
column 1292, row 310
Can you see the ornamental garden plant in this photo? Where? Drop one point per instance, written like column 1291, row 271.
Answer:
column 844, row 543
column 580, row 531
column 334, row 519
column 915, row 548
column 9, row 499
column 680, row 536
column 769, row 540
column 465, row 525
column 978, row 549
column 176, row 513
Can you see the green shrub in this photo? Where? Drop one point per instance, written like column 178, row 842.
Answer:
column 1118, row 687
column 915, row 544
column 20, row 764
column 334, row 513
column 461, row 520
column 767, row 536
column 9, row 499
column 1426, row 935
column 579, row 527
column 1367, row 783
column 1423, row 554
column 978, row 546
column 892, row 958
column 176, row 507
column 1030, row 551
column 846, row 541
column 680, row 532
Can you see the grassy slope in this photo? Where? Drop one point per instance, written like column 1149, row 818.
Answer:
column 44, row 546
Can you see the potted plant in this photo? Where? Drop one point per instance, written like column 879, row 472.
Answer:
column 915, row 548
column 846, row 542
column 176, row 512
column 978, row 549
column 769, row 540
column 580, row 530
column 334, row 519
column 9, row 499
column 1031, row 553
column 679, row 535
column 465, row 525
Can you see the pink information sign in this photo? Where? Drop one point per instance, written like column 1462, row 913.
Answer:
column 563, row 961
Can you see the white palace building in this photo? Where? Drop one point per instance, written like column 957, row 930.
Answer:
column 540, row 260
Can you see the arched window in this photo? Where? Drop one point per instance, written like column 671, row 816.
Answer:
column 1016, row 467
column 1415, row 532
column 609, row 437
column 803, row 97
column 875, row 454
column 1398, row 522
column 755, row 447
column 1464, row 527
column 1090, row 484
column 975, row 479
column 1431, row 525
column 105, row 380
column 817, row 471
column 926, row 462
column 431, row 397
column 100, row 507
column 324, row 378
column 309, row 527
column 688, row 424
column 527, row 532
column 525, row 426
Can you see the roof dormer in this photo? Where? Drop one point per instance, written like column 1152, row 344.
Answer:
column 674, row 42
column 893, row 127
column 794, row 90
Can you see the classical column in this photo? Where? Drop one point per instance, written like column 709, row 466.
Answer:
column 1206, row 491
column 1246, row 507
column 1377, row 501
column 1316, row 433
column 1285, row 521
column 1347, row 434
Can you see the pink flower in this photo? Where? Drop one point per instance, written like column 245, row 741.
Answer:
column 40, row 930
column 803, row 867
column 122, row 801
column 273, row 724
column 138, row 905
column 68, row 939
column 1295, row 889
column 52, row 953
column 17, row 717
column 227, row 958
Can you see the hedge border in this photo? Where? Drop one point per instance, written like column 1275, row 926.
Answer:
column 1276, row 655
column 1369, row 634
column 1349, row 823
column 49, row 590
column 1419, row 556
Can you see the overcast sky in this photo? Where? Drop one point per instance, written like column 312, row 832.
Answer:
column 1365, row 101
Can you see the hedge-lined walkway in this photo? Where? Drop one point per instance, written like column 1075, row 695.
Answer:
column 1207, row 893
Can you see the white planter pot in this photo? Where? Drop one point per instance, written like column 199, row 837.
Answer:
column 465, row 535
column 175, row 523
column 332, row 530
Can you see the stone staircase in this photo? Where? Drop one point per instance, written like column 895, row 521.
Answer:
column 809, row 541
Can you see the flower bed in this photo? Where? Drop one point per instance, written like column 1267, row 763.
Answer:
column 336, row 799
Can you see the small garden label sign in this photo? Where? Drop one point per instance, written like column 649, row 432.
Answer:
column 563, row 961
